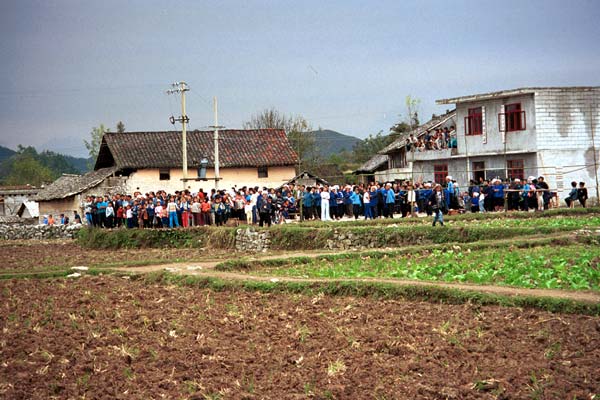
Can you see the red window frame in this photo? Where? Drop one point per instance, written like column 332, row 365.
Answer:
column 515, row 169
column 513, row 118
column 474, row 122
column 440, row 172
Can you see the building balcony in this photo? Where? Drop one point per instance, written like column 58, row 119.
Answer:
column 429, row 155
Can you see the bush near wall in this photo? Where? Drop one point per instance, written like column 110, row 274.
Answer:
column 157, row 238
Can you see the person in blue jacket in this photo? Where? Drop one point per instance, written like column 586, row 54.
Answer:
column 307, row 203
column 355, row 198
column 317, row 203
column 349, row 210
column 390, row 200
column 498, row 194
column 374, row 201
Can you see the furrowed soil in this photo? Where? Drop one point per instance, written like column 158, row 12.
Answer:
column 28, row 256
column 115, row 338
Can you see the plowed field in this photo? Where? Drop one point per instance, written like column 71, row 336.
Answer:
column 115, row 338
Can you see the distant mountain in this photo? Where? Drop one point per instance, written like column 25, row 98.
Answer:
column 330, row 142
column 5, row 153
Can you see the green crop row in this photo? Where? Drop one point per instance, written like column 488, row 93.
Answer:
column 570, row 267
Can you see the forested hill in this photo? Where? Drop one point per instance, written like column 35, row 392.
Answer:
column 27, row 166
column 330, row 142
column 5, row 153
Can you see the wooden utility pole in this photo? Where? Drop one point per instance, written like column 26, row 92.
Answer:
column 181, row 87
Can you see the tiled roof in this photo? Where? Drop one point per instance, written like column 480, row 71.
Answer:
column 237, row 148
column 420, row 131
column 69, row 184
column 371, row 165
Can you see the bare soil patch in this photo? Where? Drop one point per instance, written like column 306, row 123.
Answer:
column 110, row 337
column 26, row 256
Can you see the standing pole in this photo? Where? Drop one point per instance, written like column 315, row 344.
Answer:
column 183, row 89
column 216, row 139
column 594, row 152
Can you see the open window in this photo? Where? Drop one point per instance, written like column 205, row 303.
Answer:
column 164, row 174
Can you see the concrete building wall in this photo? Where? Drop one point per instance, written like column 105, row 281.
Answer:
column 457, row 167
column 148, row 179
column 568, row 135
column 491, row 141
column 59, row 206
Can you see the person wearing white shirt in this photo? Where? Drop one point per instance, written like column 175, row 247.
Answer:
column 325, row 204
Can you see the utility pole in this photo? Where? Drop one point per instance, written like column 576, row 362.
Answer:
column 216, row 127
column 592, row 109
column 181, row 87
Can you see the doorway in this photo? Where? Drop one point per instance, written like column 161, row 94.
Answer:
column 478, row 171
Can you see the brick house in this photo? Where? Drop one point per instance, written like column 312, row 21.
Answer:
column 550, row 131
column 152, row 160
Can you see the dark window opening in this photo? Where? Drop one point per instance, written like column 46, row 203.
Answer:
column 474, row 122
column 440, row 172
column 263, row 172
column 164, row 174
column 515, row 169
column 478, row 171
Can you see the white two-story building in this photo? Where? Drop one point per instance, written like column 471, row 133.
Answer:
column 552, row 132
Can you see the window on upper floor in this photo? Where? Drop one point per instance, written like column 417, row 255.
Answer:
column 440, row 172
column 513, row 118
column 263, row 172
column 474, row 122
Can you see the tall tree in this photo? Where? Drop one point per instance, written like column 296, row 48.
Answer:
column 120, row 127
column 93, row 146
column 26, row 169
column 298, row 131
column 366, row 149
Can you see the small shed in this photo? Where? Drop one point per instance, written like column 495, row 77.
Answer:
column 29, row 209
column 307, row 179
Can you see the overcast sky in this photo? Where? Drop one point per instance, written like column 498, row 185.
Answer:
column 66, row 66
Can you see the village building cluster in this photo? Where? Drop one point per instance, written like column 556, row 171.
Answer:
column 529, row 148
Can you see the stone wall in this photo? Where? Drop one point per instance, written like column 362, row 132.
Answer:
column 248, row 239
column 17, row 231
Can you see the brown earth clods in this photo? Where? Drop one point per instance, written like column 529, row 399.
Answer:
column 30, row 256
column 115, row 338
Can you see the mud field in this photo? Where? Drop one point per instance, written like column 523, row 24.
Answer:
column 115, row 338
column 27, row 256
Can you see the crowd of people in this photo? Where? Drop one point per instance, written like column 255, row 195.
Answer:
column 439, row 139
column 266, row 206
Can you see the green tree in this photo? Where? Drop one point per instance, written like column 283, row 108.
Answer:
column 27, row 170
column 120, row 127
column 93, row 146
column 366, row 149
column 297, row 128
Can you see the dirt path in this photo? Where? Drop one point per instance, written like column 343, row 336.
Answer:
column 207, row 269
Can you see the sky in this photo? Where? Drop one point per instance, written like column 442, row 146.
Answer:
column 68, row 66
